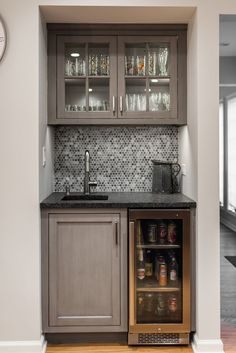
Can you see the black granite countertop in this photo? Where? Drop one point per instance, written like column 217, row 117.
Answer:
column 121, row 200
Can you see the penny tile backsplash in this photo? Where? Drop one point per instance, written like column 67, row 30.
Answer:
column 120, row 157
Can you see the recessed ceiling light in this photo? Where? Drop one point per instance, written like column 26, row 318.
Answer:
column 90, row 90
column 75, row 55
column 154, row 80
column 224, row 44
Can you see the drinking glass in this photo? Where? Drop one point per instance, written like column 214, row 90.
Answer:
column 68, row 68
column 162, row 61
column 166, row 101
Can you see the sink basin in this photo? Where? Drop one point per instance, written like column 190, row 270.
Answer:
column 92, row 197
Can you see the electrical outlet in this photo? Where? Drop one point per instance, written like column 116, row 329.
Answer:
column 184, row 169
column 44, row 156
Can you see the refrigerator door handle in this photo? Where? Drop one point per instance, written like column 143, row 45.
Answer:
column 117, row 233
column 131, row 275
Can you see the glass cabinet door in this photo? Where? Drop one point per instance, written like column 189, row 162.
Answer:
column 148, row 77
column 159, row 278
column 86, row 79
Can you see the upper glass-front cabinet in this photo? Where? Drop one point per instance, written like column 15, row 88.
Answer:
column 117, row 79
column 86, row 77
column 148, row 77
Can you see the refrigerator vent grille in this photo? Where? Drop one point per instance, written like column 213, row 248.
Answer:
column 158, row 338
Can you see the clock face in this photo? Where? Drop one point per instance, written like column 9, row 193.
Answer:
column 3, row 39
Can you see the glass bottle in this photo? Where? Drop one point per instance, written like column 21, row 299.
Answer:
column 140, row 265
column 163, row 274
column 173, row 270
column 148, row 264
column 139, row 234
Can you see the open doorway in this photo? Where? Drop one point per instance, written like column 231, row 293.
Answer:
column 227, row 131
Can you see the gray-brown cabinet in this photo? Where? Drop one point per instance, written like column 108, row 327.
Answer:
column 117, row 76
column 84, row 270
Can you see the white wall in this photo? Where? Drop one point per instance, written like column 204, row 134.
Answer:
column 19, row 178
column 20, row 72
column 46, row 133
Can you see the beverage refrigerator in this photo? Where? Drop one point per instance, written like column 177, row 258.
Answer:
column 159, row 276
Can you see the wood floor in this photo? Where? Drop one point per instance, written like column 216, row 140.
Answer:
column 114, row 348
column 228, row 313
column 228, row 290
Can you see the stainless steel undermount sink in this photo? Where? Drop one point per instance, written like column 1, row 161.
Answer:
column 81, row 197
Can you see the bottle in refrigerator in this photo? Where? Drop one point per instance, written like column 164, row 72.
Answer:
column 148, row 264
column 173, row 270
column 172, row 304
column 161, row 305
column 139, row 234
column 159, row 259
column 140, row 265
column 163, row 274
column 172, row 233
column 162, row 232
column 140, row 304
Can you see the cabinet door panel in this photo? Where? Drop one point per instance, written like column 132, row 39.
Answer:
column 86, row 77
column 147, row 77
column 84, row 270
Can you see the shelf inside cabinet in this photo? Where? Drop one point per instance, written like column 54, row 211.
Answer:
column 73, row 77
column 160, row 79
column 151, row 285
column 159, row 246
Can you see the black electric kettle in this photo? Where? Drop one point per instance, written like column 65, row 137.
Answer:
column 164, row 177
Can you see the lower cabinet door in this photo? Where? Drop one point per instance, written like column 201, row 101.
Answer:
column 84, row 270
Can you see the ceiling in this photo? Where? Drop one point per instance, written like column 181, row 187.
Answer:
column 228, row 35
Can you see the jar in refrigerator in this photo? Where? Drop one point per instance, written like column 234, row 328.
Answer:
column 172, row 304
column 152, row 233
column 163, row 275
column 162, row 232
column 172, row 233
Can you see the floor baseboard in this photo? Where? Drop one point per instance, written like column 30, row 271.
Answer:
column 207, row 346
column 39, row 346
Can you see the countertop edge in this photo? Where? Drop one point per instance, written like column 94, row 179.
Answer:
column 175, row 201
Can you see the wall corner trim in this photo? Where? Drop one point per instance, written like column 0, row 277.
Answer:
column 23, row 346
column 207, row 346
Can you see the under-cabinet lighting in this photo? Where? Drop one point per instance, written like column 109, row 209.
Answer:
column 148, row 90
column 75, row 55
column 154, row 80
column 90, row 90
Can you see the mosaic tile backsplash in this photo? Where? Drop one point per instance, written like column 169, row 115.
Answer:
column 120, row 157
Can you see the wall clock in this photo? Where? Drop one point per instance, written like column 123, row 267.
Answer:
column 3, row 39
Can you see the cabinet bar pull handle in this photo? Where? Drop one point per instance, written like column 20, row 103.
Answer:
column 114, row 104
column 116, row 225
column 132, row 318
column 121, row 104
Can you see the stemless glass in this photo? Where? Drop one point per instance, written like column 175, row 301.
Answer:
column 162, row 61
column 166, row 101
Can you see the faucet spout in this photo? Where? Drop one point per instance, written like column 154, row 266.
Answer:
column 87, row 182
column 87, row 158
